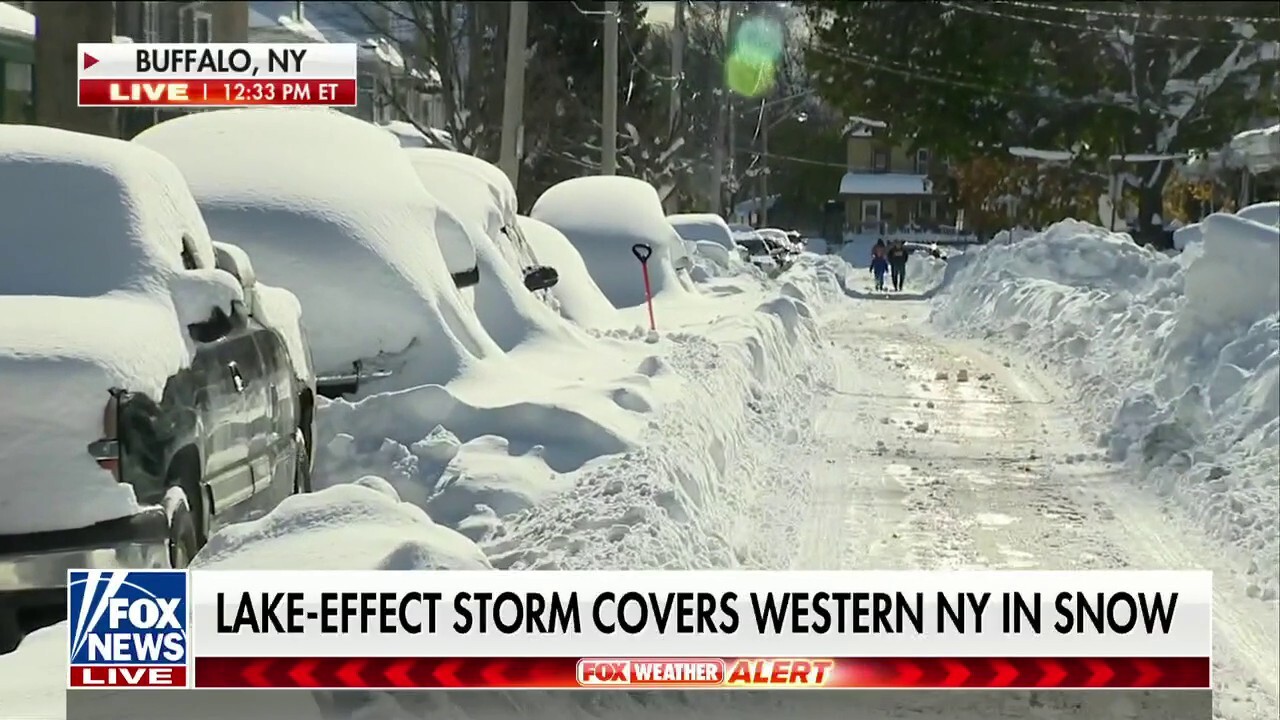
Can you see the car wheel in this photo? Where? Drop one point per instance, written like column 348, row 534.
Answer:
column 183, row 544
column 302, row 470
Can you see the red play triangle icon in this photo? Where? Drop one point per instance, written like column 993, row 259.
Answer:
column 89, row 61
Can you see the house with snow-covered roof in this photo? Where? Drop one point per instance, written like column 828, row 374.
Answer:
column 17, row 56
column 392, row 86
column 887, row 189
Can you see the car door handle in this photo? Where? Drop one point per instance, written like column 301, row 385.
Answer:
column 236, row 377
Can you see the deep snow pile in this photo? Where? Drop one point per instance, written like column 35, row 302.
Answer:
column 329, row 207
column 604, row 217
column 1266, row 213
column 1176, row 359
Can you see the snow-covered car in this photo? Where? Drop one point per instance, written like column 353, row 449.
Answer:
column 930, row 249
column 146, row 402
column 703, row 227
column 480, row 193
column 757, row 246
column 329, row 207
column 758, row 252
column 607, row 219
column 785, row 238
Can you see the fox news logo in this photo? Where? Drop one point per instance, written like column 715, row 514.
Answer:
column 128, row 628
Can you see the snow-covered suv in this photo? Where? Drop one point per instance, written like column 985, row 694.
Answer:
column 146, row 399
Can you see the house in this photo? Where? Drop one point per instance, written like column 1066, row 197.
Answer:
column 887, row 189
column 166, row 21
column 17, row 57
column 392, row 86
column 1257, row 152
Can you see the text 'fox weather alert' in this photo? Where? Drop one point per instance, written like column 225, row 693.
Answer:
column 128, row 628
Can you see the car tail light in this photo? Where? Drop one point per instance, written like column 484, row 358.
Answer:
column 106, row 451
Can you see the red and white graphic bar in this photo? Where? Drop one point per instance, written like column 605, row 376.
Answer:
column 203, row 92
column 559, row 673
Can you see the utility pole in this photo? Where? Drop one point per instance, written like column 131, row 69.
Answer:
column 677, row 66
column 723, row 122
column 764, row 164
column 513, row 89
column 609, row 124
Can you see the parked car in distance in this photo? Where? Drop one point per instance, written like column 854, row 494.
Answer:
column 147, row 403
column 788, row 239
column 758, row 252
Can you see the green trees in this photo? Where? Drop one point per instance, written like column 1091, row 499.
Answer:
column 1144, row 81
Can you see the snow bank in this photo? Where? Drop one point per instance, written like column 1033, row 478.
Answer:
column 604, row 217
column 509, row 312
column 1176, row 359
column 710, row 482
column 709, row 227
column 1267, row 213
column 329, row 208
column 359, row 526
column 578, row 296
column 92, row 299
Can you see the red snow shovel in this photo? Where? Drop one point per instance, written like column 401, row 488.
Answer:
column 643, row 253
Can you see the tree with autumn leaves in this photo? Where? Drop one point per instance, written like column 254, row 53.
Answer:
column 1147, row 82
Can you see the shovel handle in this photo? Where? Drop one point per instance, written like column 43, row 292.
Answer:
column 642, row 252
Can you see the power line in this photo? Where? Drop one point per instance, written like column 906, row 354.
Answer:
column 915, row 73
column 1095, row 29
column 1131, row 14
column 793, row 158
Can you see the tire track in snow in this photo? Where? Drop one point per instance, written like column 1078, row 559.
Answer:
column 992, row 472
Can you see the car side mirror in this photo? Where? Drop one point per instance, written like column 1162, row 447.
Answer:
column 682, row 263
column 540, row 277
column 218, row 326
column 466, row 278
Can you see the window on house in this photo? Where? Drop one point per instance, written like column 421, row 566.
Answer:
column 17, row 76
column 203, row 27
column 923, row 211
column 151, row 22
column 195, row 25
column 880, row 160
column 922, row 162
column 365, row 96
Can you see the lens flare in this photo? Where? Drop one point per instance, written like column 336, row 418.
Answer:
column 751, row 69
column 749, row 75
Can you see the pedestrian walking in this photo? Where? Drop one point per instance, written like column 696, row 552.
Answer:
column 879, row 264
column 897, row 256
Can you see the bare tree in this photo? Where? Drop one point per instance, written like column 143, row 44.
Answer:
column 450, row 48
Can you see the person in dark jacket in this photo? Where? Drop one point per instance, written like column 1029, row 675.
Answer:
column 879, row 266
column 897, row 256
